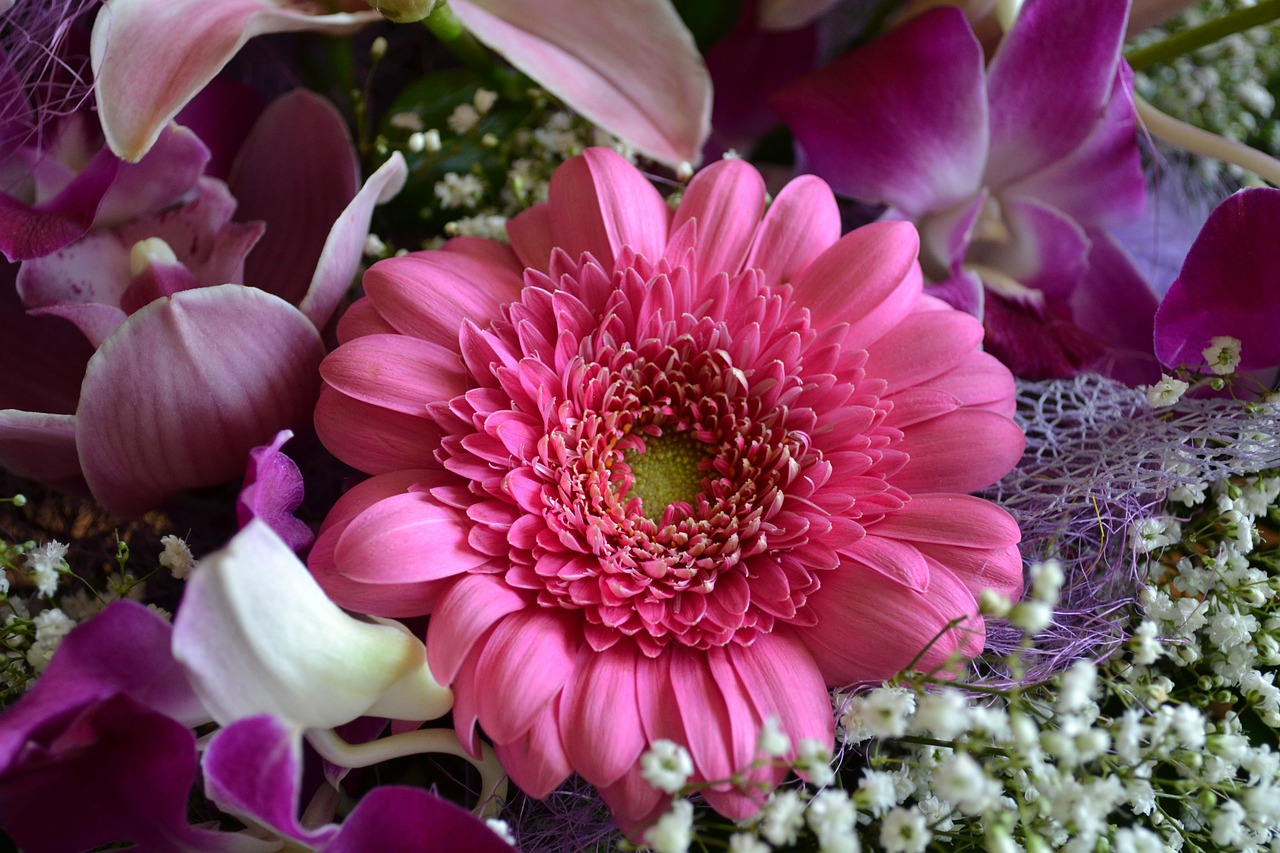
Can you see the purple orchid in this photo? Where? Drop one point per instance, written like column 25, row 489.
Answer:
column 632, row 67
column 1229, row 286
column 109, row 727
column 1012, row 171
column 204, row 331
column 272, row 491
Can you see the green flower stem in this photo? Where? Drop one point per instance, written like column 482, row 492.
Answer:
column 447, row 27
column 1207, row 33
column 1207, row 144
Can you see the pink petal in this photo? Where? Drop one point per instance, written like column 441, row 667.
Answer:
column 726, row 199
column 525, row 663
column 296, row 172
column 600, row 203
column 150, row 58
column 429, row 294
column 950, row 520
column 869, row 279
column 395, row 372
column 915, row 95
column 896, row 560
column 530, row 235
column 406, row 538
column 160, row 179
column 630, row 67
column 780, row 678
column 923, row 346
column 598, row 709
column 180, row 393
column 959, row 452
column 801, row 223
column 536, row 760
column 703, row 714
column 361, row 319
column 371, row 438
column 998, row 569
column 470, row 608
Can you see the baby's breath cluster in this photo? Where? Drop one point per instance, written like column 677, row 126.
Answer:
column 1169, row 744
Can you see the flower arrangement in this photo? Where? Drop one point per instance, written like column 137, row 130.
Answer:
column 779, row 425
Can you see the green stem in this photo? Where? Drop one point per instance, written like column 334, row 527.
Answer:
column 1207, row 33
column 447, row 27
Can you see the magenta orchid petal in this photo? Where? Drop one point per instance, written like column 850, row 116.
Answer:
column 600, row 204
column 914, row 95
column 273, row 491
column 181, row 392
column 1227, row 286
column 397, row 819
column 32, row 232
column 1116, row 305
column 166, row 174
column 1108, row 156
column 253, row 770
column 1049, row 83
column 128, row 768
column 296, row 172
column 655, row 95
column 151, row 58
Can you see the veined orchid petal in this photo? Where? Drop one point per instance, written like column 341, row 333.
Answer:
column 630, row 66
column 258, row 635
column 150, row 57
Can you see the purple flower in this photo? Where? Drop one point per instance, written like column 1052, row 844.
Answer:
column 1012, row 171
column 202, row 333
column 272, row 491
column 1229, row 286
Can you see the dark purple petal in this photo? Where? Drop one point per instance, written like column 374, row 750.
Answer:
column 122, row 650
column 871, row 119
column 222, row 115
column 296, row 172
column 1229, row 285
column 123, row 770
column 253, row 770
column 1036, row 341
column 272, row 491
column 1117, row 306
column 44, row 357
column 1050, row 82
column 395, row 819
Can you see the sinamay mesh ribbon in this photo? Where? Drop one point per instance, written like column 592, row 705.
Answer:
column 1098, row 459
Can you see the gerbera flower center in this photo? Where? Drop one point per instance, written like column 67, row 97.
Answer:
column 670, row 469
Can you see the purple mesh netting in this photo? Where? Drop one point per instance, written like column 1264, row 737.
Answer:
column 1098, row 458
column 44, row 73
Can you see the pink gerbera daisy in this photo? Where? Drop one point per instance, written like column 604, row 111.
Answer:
column 663, row 475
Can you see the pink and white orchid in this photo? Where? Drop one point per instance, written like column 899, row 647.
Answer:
column 200, row 350
column 630, row 66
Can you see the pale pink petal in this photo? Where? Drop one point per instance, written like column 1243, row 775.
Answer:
column 406, row 538
column 296, row 172
column 800, row 224
column 470, row 608
column 631, row 66
column 529, row 655
column 726, row 199
column 373, row 439
column 150, row 58
column 429, row 294
column 600, row 204
column 909, row 628
column 869, row 279
column 598, row 709
column 181, row 392
column 960, row 452
column 395, row 372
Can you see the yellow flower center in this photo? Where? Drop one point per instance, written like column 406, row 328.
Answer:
column 668, row 471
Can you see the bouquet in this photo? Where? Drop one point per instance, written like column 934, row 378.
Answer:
column 826, row 425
